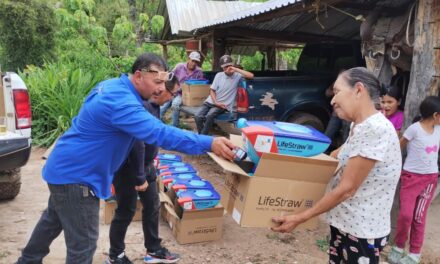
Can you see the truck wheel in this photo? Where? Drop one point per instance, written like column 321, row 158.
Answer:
column 306, row 119
column 10, row 182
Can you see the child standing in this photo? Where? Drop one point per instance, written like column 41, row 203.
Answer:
column 418, row 181
column 390, row 103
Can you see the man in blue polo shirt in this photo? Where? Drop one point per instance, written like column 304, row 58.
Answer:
column 138, row 168
column 80, row 169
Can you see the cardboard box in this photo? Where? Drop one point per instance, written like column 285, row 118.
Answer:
column 194, row 226
column 195, row 95
column 281, row 185
column 110, row 207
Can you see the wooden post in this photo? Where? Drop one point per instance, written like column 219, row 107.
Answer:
column 2, row 97
column 271, row 58
column 165, row 52
column 423, row 80
column 435, row 87
column 219, row 47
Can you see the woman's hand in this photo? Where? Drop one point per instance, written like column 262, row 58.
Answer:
column 334, row 153
column 287, row 223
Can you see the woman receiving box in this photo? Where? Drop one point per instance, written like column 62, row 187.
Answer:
column 362, row 190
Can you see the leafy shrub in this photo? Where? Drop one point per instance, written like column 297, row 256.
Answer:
column 57, row 91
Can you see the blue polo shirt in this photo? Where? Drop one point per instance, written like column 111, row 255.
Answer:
column 102, row 134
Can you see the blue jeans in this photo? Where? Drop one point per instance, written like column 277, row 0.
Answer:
column 175, row 106
column 205, row 117
column 72, row 208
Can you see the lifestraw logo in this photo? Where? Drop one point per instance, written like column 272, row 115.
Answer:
column 279, row 201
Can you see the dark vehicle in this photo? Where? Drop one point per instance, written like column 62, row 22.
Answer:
column 292, row 96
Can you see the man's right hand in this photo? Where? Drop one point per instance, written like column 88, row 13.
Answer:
column 220, row 105
column 223, row 147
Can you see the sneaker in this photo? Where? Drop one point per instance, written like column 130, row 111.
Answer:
column 409, row 260
column 121, row 259
column 161, row 256
column 395, row 255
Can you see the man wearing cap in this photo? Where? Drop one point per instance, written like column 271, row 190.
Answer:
column 183, row 71
column 222, row 95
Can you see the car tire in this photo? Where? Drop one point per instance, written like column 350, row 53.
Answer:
column 306, row 119
column 10, row 183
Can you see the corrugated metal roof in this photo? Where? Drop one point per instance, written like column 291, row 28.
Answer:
column 262, row 8
column 335, row 23
column 186, row 15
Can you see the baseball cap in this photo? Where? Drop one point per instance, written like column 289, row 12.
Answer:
column 225, row 60
column 194, row 56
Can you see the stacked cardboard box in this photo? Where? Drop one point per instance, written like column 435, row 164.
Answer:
column 280, row 185
column 189, row 226
column 110, row 207
column 192, row 226
column 195, row 94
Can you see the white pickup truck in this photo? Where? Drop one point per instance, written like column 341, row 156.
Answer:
column 15, row 139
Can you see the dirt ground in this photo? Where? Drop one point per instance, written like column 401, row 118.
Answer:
column 238, row 245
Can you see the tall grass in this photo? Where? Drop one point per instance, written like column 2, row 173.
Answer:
column 57, row 91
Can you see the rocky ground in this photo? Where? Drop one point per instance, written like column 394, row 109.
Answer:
column 238, row 245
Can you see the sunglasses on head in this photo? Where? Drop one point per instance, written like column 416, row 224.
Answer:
column 162, row 75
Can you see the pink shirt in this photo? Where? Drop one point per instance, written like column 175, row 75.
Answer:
column 396, row 119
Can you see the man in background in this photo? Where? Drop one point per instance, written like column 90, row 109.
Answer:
column 222, row 95
column 184, row 71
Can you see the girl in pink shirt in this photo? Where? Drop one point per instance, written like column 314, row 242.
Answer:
column 390, row 103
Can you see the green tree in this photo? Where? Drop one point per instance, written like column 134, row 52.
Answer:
column 147, row 6
column 107, row 11
column 27, row 32
column 123, row 37
column 87, row 6
column 143, row 22
column 252, row 63
column 157, row 23
column 79, row 38
column 291, row 56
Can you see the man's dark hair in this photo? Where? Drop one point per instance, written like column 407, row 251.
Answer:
column 364, row 76
column 169, row 85
column 145, row 60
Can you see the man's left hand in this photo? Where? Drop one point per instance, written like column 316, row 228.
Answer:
column 287, row 223
column 142, row 188
column 220, row 105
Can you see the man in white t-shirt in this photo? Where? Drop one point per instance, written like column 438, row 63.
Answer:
column 222, row 95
